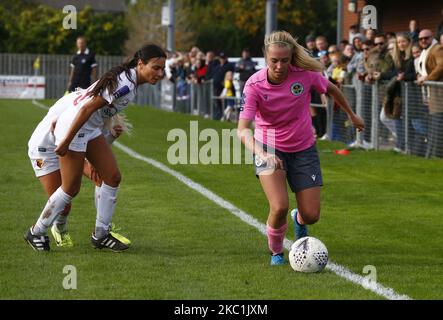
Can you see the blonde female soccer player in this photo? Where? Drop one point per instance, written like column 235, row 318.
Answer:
column 278, row 99
column 78, row 135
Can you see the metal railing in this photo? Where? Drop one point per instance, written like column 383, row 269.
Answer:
column 407, row 119
column 56, row 70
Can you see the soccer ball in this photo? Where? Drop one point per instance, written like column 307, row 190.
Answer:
column 308, row 254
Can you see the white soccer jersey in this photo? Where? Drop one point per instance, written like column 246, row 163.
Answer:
column 118, row 100
column 42, row 144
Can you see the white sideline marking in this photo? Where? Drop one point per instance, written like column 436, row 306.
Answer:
column 339, row 270
column 40, row 105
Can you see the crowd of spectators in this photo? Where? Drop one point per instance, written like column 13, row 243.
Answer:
column 368, row 57
column 412, row 56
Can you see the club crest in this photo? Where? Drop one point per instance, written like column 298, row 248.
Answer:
column 297, row 89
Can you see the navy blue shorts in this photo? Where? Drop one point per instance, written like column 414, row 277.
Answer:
column 302, row 168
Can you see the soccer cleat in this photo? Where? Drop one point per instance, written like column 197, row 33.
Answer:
column 38, row 243
column 113, row 241
column 300, row 230
column 62, row 239
column 278, row 259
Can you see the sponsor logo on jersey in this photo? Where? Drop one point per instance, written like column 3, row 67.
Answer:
column 265, row 97
column 121, row 92
column 81, row 135
column 41, row 149
column 297, row 89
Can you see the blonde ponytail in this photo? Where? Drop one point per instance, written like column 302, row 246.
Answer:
column 300, row 56
column 119, row 119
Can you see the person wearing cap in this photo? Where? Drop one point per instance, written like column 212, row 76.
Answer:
column 310, row 45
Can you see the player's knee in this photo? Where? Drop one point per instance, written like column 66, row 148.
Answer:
column 311, row 217
column 114, row 179
column 279, row 209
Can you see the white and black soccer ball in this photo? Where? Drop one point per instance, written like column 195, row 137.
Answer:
column 308, row 254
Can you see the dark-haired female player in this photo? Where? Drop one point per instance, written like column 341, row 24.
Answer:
column 78, row 134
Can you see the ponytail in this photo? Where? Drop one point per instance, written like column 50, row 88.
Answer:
column 109, row 80
column 300, row 57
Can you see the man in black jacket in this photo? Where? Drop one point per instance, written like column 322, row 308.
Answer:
column 245, row 67
column 83, row 67
column 219, row 78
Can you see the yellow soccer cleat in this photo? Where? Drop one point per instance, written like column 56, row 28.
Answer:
column 62, row 239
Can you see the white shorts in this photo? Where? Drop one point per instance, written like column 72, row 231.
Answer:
column 81, row 139
column 43, row 158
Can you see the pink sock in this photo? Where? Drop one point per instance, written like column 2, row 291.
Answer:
column 275, row 238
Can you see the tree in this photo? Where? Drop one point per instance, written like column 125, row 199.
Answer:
column 29, row 28
column 144, row 25
column 230, row 25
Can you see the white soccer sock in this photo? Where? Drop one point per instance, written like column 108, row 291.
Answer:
column 96, row 196
column 105, row 209
column 55, row 205
column 61, row 223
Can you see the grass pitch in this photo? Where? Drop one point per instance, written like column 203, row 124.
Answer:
column 378, row 208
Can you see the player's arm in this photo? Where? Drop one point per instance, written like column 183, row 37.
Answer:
column 339, row 97
column 82, row 116
column 244, row 133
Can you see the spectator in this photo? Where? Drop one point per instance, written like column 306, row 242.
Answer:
column 321, row 44
column 353, row 63
column 180, row 76
column 357, row 42
column 353, row 30
column 201, row 68
column 332, row 50
column 318, row 115
column 218, row 85
column 342, row 45
column 379, row 59
column 212, row 64
column 310, row 45
column 426, row 42
column 229, row 96
column 348, row 52
column 390, row 35
column 418, row 112
column 245, row 67
column 83, row 67
column 402, row 69
column 361, row 64
column 370, row 34
column 413, row 30
column 431, row 69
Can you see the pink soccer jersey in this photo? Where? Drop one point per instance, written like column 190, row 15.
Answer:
column 283, row 107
